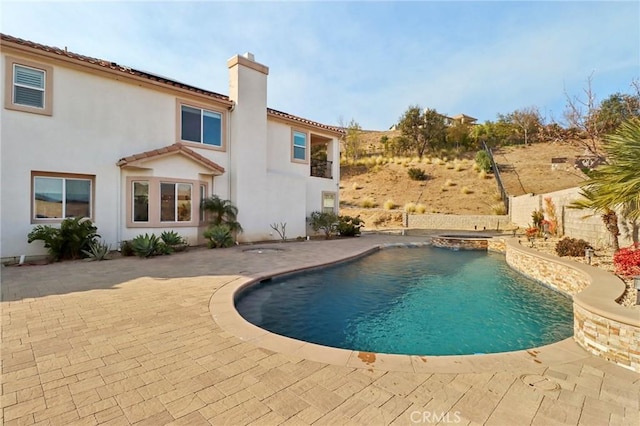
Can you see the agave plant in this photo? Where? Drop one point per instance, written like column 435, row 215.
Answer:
column 97, row 251
column 149, row 245
column 219, row 236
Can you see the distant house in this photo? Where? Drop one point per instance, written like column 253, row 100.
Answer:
column 460, row 118
column 137, row 152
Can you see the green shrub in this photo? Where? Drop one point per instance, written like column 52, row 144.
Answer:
column 219, row 236
column 349, row 226
column 483, row 161
column 68, row 241
column 97, row 251
column 149, row 245
column 174, row 240
column 571, row 247
column 326, row 222
column 416, row 174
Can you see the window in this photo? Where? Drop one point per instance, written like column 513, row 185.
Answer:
column 29, row 86
column 328, row 202
column 141, row 201
column 200, row 126
column 175, row 202
column 203, row 195
column 60, row 197
column 299, row 146
column 156, row 202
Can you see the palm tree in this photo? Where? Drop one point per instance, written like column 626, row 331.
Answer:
column 221, row 212
column 616, row 185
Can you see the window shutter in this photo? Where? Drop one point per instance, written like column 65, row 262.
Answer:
column 28, row 87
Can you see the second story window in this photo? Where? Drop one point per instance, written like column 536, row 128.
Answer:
column 200, row 126
column 299, row 148
column 28, row 86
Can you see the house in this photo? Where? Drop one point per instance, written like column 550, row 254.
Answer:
column 136, row 152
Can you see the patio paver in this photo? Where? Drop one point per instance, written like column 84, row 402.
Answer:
column 133, row 341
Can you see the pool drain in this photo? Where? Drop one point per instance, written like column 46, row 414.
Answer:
column 539, row 382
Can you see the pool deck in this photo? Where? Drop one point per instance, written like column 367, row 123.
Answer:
column 140, row 341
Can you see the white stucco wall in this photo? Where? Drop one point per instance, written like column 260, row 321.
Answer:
column 95, row 122
column 98, row 119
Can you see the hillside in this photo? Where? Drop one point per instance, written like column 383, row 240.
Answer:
column 453, row 185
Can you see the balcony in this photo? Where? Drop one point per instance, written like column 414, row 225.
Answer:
column 321, row 169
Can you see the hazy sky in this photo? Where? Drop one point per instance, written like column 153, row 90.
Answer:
column 363, row 60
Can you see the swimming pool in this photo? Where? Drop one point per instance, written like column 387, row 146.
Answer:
column 417, row 301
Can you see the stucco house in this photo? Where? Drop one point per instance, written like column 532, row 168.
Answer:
column 136, row 152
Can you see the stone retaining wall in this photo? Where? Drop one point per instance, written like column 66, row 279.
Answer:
column 607, row 338
column 460, row 243
column 460, row 222
column 561, row 277
column 601, row 326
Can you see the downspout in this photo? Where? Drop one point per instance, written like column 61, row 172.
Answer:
column 229, row 143
column 119, row 210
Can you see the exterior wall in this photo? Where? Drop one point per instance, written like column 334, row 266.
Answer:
column 458, row 222
column 601, row 326
column 584, row 224
column 99, row 118
column 96, row 120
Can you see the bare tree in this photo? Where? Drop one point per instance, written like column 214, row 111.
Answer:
column 527, row 120
column 581, row 113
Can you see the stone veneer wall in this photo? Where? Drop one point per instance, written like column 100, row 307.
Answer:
column 460, row 243
column 601, row 326
column 560, row 277
column 460, row 222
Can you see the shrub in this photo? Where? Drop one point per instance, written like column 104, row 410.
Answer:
column 219, row 236
column 97, row 251
column 450, row 166
column 627, row 261
column 459, row 167
column 410, row 208
column 449, row 182
column 499, row 208
column 68, row 241
column 326, row 222
column 571, row 247
column 483, row 161
column 126, row 249
column 349, row 226
column 466, row 190
column 421, row 208
column 482, row 174
column 552, row 222
column 368, row 203
column 389, row 205
column 537, row 216
column 416, row 174
column 355, row 186
column 174, row 240
column 149, row 245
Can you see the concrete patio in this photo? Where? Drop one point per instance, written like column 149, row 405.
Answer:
column 134, row 341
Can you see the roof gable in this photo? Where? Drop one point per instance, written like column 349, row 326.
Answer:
column 175, row 149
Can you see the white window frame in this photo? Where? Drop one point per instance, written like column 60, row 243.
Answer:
column 307, row 142
column 180, row 103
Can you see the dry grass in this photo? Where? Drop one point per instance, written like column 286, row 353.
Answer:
column 410, row 207
column 389, row 205
column 368, row 203
column 466, row 190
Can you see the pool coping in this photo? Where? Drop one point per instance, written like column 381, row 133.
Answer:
column 222, row 309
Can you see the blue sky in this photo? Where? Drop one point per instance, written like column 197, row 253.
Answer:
column 363, row 60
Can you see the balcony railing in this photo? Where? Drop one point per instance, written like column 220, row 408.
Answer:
column 321, row 169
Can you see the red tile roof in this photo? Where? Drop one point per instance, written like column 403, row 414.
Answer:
column 155, row 78
column 176, row 148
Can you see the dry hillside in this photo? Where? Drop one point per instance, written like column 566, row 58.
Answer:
column 453, row 185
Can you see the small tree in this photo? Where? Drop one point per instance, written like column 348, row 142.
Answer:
column 326, row 222
column 422, row 129
column 353, row 140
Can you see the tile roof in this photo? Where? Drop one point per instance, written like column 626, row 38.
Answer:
column 155, row 78
column 176, row 148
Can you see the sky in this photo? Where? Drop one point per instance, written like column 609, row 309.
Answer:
column 368, row 61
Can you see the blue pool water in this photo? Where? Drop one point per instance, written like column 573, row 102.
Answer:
column 418, row 301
